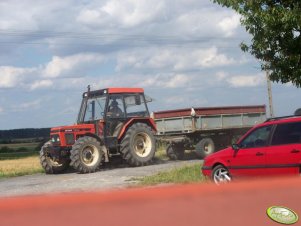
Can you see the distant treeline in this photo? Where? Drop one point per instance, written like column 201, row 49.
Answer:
column 24, row 135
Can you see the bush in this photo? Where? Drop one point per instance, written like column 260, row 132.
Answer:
column 5, row 149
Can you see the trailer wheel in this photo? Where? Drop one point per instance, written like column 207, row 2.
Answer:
column 175, row 151
column 138, row 145
column 205, row 147
column 49, row 164
column 86, row 154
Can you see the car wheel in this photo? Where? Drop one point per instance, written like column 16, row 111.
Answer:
column 220, row 175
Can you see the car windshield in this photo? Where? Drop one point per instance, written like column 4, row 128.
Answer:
column 95, row 108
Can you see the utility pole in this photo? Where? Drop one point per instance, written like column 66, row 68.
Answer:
column 270, row 94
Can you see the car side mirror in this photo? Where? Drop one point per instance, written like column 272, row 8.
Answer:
column 235, row 147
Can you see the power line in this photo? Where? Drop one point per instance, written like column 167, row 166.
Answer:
column 89, row 35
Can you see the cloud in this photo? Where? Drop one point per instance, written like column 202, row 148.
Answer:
column 60, row 66
column 246, row 80
column 203, row 58
column 178, row 80
column 229, row 24
column 128, row 14
column 12, row 76
column 27, row 106
column 173, row 59
column 41, row 84
column 52, row 73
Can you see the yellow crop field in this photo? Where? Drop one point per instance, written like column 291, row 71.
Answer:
column 18, row 167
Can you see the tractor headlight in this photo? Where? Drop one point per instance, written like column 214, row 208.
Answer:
column 55, row 139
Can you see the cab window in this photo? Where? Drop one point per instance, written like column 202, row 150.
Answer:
column 135, row 106
column 95, row 109
column 115, row 107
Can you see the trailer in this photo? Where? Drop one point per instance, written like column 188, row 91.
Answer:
column 205, row 130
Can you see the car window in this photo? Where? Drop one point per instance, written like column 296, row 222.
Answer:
column 288, row 133
column 257, row 138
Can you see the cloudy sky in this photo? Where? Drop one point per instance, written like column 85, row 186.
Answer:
column 184, row 53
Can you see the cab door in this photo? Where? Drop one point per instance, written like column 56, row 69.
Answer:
column 115, row 116
column 250, row 158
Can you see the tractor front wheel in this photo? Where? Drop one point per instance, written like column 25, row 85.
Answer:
column 86, row 154
column 138, row 145
column 50, row 164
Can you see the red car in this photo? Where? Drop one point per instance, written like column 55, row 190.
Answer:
column 270, row 148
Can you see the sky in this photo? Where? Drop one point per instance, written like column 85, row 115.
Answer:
column 184, row 53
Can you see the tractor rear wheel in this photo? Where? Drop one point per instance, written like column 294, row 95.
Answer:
column 49, row 164
column 138, row 145
column 86, row 154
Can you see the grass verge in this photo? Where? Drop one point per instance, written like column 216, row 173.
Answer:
column 186, row 174
column 161, row 154
column 20, row 167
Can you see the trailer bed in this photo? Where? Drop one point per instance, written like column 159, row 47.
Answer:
column 190, row 120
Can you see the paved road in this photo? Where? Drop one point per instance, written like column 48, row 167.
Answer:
column 105, row 179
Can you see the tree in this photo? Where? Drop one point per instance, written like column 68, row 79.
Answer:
column 275, row 26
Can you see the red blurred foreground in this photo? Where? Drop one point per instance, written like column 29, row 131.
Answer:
column 242, row 203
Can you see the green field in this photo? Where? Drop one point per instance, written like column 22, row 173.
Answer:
column 18, row 150
column 15, row 146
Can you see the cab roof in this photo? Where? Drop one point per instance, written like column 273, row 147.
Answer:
column 125, row 90
column 113, row 90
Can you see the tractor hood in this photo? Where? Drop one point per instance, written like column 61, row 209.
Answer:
column 65, row 136
column 74, row 128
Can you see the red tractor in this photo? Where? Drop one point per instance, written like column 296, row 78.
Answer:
column 111, row 122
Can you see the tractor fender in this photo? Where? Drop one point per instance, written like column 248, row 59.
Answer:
column 149, row 121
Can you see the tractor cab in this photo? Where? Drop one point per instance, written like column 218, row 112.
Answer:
column 112, row 121
column 110, row 109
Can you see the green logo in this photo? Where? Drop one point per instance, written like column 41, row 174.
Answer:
column 282, row 215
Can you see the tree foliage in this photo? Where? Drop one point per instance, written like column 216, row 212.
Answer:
column 275, row 26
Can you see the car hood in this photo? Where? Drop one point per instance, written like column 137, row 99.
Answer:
column 219, row 156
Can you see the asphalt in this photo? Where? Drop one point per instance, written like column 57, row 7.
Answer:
column 105, row 179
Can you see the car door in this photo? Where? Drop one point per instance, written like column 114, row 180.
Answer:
column 284, row 156
column 250, row 158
